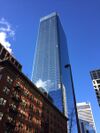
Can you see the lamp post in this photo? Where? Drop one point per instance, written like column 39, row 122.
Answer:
column 77, row 121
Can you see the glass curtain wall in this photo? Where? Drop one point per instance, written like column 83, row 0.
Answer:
column 49, row 70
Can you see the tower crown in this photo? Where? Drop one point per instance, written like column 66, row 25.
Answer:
column 49, row 16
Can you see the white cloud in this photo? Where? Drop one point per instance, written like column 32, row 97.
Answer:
column 4, row 42
column 44, row 84
column 6, row 31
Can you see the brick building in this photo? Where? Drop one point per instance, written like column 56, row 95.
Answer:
column 5, row 55
column 23, row 108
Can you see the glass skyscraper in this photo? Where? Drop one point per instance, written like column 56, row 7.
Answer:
column 49, row 72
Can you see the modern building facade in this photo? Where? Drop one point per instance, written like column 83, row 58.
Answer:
column 49, row 72
column 95, row 75
column 86, row 119
column 23, row 108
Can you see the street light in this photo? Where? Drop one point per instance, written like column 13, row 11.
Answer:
column 77, row 121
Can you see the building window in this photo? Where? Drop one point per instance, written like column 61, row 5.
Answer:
column 2, row 101
column 38, row 102
column 10, row 119
column 1, row 115
column 6, row 90
column 23, row 103
column 37, row 112
column 26, row 93
column 13, row 106
column 0, row 76
column 31, row 98
column 93, row 82
column 31, row 106
column 94, row 75
column 20, row 125
column 9, row 80
column 98, row 86
column 98, row 81
column 29, row 128
column 95, row 86
column 35, row 130
column 30, row 116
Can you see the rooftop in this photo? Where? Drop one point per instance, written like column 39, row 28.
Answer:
column 49, row 16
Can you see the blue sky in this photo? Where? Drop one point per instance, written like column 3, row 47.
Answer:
column 81, row 23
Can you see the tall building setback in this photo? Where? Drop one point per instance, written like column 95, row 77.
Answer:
column 23, row 108
column 95, row 75
column 86, row 119
column 49, row 71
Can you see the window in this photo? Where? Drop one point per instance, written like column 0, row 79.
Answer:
column 35, row 130
column 98, row 81
column 31, row 98
column 10, row 119
column 20, row 125
column 26, row 93
column 98, row 86
column 94, row 75
column 37, row 112
column 94, row 82
column 9, row 80
column 6, row 90
column 0, row 76
column 17, row 87
column 95, row 86
column 1, row 115
column 30, row 116
column 38, row 103
column 2, row 101
column 29, row 128
column 23, row 103
column 13, row 106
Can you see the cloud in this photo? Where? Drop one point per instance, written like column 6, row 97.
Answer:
column 46, row 85
column 6, row 31
column 4, row 42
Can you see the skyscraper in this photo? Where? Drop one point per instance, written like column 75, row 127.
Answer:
column 95, row 75
column 49, row 72
column 87, row 123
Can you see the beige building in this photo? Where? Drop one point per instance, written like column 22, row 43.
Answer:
column 86, row 119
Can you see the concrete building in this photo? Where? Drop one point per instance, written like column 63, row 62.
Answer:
column 86, row 119
column 95, row 75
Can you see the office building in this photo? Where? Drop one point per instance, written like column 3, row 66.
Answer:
column 49, row 71
column 95, row 75
column 86, row 119
column 23, row 108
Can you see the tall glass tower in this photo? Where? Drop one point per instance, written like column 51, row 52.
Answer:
column 49, row 71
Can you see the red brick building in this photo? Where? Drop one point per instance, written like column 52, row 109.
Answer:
column 5, row 55
column 23, row 108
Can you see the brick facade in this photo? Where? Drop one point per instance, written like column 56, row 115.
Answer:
column 23, row 108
